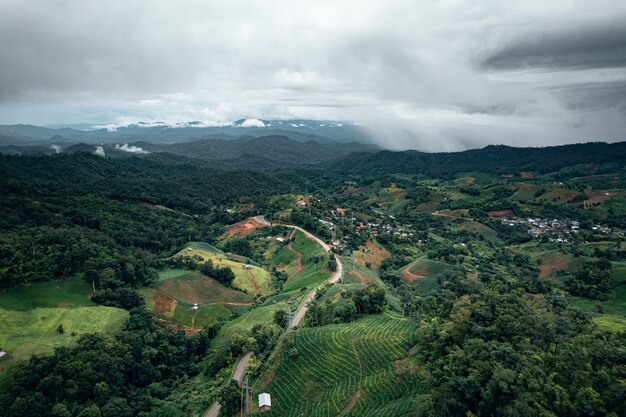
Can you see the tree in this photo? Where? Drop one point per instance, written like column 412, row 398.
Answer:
column 280, row 318
column 230, row 399
column 60, row 329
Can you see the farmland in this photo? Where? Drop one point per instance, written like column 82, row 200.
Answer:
column 351, row 369
column 172, row 297
column 251, row 279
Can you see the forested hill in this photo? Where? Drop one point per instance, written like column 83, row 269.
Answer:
column 494, row 158
column 74, row 213
column 176, row 182
column 273, row 151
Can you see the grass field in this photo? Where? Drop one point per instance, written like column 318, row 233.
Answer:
column 245, row 279
column 353, row 369
column 488, row 233
column 71, row 292
column 34, row 332
column 260, row 315
column 314, row 264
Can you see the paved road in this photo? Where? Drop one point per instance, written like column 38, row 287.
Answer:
column 214, row 410
column 304, row 305
column 241, row 367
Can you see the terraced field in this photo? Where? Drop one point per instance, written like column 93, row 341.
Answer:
column 351, row 369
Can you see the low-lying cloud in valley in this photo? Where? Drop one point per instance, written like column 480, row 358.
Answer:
column 131, row 148
column 417, row 74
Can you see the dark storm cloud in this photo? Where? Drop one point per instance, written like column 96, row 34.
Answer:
column 576, row 48
column 434, row 75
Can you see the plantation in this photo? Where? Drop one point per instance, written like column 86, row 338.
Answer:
column 351, row 369
column 557, row 262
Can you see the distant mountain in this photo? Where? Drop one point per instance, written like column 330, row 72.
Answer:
column 262, row 153
column 160, row 132
column 493, row 158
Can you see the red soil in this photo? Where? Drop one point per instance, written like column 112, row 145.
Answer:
column 245, row 227
column 256, row 288
column 527, row 175
column 501, row 213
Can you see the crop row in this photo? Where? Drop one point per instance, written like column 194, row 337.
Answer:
column 324, row 367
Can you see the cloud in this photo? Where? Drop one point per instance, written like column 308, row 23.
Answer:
column 131, row 148
column 252, row 123
column 422, row 74
column 99, row 151
column 56, row 148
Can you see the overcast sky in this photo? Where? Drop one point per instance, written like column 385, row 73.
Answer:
column 432, row 75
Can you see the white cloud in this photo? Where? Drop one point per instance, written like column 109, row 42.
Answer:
column 56, row 148
column 131, row 148
column 252, row 123
column 99, row 151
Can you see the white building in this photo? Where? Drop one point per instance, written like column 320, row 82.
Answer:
column 265, row 402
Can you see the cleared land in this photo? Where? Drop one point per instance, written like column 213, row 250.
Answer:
column 172, row 296
column 351, row 369
column 34, row 332
column 245, row 227
column 252, row 279
column 372, row 253
column 555, row 262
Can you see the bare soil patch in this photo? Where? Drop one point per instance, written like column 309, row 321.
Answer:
column 500, row 213
column 163, row 303
column 245, row 227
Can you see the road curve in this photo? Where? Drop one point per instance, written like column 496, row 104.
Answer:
column 239, row 370
column 241, row 367
column 304, row 305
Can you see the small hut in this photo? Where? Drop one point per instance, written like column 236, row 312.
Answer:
column 265, row 402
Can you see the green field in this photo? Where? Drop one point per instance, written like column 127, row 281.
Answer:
column 244, row 278
column 424, row 273
column 314, row 264
column 172, row 296
column 351, row 369
column 34, row 332
column 71, row 292
column 488, row 233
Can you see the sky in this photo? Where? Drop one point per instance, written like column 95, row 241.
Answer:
column 429, row 75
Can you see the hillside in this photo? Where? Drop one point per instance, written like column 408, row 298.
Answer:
column 494, row 158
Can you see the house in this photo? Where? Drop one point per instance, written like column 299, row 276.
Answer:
column 3, row 355
column 195, row 306
column 247, row 266
column 281, row 239
column 265, row 402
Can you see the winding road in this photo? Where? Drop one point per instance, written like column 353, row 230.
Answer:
column 214, row 409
